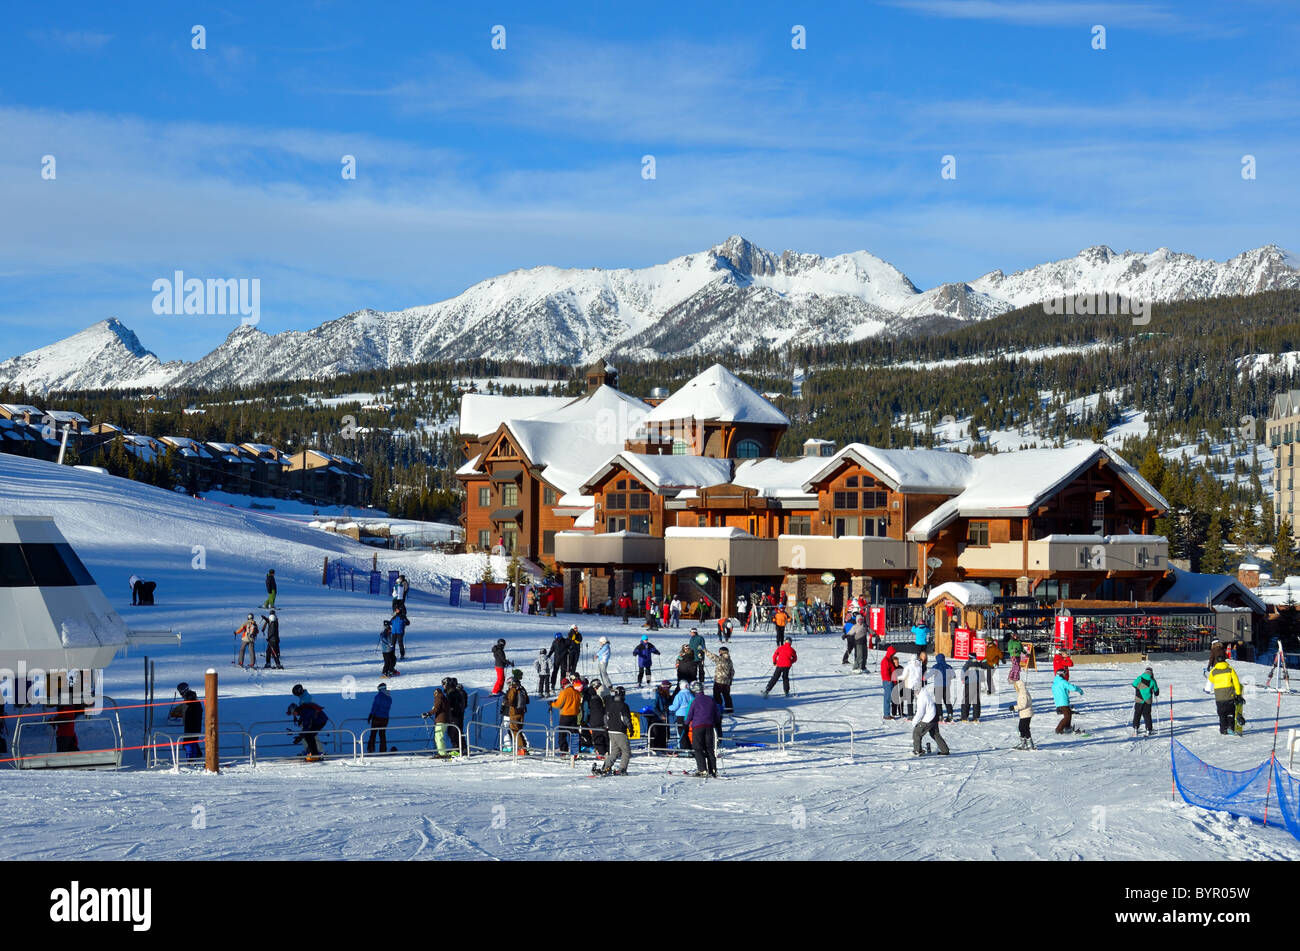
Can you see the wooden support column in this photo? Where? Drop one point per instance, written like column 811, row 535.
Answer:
column 210, row 721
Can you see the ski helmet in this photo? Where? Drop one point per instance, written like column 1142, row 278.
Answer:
column 604, row 640
column 619, row 692
column 593, row 682
column 516, row 674
column 183, row 686
column 558, row 635
column 272, row 614
column 576, row 685
column 297, row 690
column 645, row 637
column 697, row 687
column 250, row 616
column 382, row 688
column 501, row 642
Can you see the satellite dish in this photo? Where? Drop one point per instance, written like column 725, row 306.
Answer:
column 933, row 562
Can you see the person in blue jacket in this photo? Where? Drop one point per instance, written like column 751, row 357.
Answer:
column 943, row 677
column 680, row 706
column 398, row 624
column 378, row 720
column 644, row 653
column 1061, row 690
column 920, row 636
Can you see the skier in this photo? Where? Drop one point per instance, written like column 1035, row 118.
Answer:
column 593, row 717
column 784, row 657
column 944, row 676
column 847, row 638
column 270, row 590
column 1145, row 691
column 993, row 658
column 914, row 678
column 310, row 719
column 680, row 706
column 399, row 625
column 602, row 660
column 500, row 662
column 441, row 713
column 618, row 721
column 1061, row 690
column 704, row 722
column 516, row 706
column 658, row 727
column 190, row 712
column 686, row 667
column 1024, row 705
column 458, row 701
column 970, row 688
column 388, row 647
column 724, row 672
column 575, row 650
column 780, row 619
column 271, row 628
column 300, row 694
column 247, row 634
column 569, row 703
column 543, row 667
column 859, row 641
column 1227, row 697
column 1061, row 662
column 559, row 657
column 675, row 611
column 378, row 719
column 697, row 648
column 644, row 653
column 65, row 729
column 888, row 675
column 926, row 721
column 400, row 588
column 920, row 636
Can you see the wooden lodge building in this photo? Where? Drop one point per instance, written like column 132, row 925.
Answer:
column 686, row 497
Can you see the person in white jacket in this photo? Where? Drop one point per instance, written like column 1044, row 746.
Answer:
column 675, row 612
column 913, row 679
column 602, row 660
column 1024, row 706
column 926, row 721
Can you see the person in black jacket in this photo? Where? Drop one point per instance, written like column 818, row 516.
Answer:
column 190, row 710
column 458, row 701
column 270, row 590
column 559, row 655
column 618, row 721
column 271, row 628
column 575, row 650
column 970, row 680
column 501, row 663
column 687, row 670
column 595, row 718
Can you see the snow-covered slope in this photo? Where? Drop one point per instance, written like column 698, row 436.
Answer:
column 104, row 355
column 735, row 296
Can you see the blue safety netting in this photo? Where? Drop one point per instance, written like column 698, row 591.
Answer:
column 349, row 577
column 1239, row 792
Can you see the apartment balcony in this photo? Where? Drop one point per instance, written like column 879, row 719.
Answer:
column 609, row 548
column 856, row 554
column 728, row 551
column 1071, row 553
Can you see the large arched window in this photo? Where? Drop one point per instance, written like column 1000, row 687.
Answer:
column 748, row 449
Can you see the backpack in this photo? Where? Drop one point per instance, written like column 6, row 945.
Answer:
column 519, row 699
column 456, row 699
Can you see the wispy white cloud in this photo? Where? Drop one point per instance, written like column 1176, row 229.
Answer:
column 79, row 41
column 1147, row 16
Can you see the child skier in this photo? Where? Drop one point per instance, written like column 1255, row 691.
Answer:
column 543, row 667
column 1061, row 690
column 388, row 646
column 310, row 719
column 516, row 706
column 644, row 653
column 1024, row 705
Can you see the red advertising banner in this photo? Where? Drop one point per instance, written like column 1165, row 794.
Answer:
column 961, row 643
column 876, row 621
column 1064, row 632
column 979, row 646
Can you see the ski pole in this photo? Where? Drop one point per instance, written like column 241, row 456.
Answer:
column 1173, row 776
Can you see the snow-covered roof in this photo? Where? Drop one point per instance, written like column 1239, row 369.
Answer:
column 586, row 520
column 777, row 478
column 483, row 413
column 932, row 471
column 1013, row 484
column 65, row 416
column 665, row 473
column 188, row 447
column 718, row 395
column 963, row 593
column 1192, row 588
column 471, row 467
column 18, row 409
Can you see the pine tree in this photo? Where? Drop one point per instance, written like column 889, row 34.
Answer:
column 1213, row 557
column 1286, row 561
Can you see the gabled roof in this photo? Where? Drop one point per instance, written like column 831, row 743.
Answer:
column 665, row 473
column 1014, row 484
column 1286, row 404
column 718, row 395
column 964, row 593
column 1191, row 588
column 483, row 413
column 931, row 471
column 778, row 478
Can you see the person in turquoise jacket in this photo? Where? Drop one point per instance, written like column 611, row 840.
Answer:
column 681, row 706
column 1061, row 690
column 1146, row 690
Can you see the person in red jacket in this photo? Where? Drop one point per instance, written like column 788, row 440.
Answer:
column 888, row 675
column 1061, row 663
column 784, row 657
column 65, row 730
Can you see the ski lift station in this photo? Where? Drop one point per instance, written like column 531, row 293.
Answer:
column 56, row 630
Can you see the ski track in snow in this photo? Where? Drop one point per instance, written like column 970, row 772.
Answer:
column 985, row 801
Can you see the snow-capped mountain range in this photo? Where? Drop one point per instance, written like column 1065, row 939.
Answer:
column 735, row 296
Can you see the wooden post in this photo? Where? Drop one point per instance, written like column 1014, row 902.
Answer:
column 210, row 720
column 325, row 573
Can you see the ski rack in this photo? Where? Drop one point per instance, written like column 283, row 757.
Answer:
column 1279, row 662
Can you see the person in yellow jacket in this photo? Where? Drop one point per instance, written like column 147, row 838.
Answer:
column 569, row 703
column 1227, row 697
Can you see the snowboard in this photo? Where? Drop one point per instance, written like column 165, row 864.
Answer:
column 1239, row 721
column 313, row 759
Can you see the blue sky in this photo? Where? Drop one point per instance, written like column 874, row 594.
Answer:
column 470, row 161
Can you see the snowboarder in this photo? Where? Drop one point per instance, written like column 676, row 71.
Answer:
column 704, row 722
column 516, row 706
column 399, row 625
column 247, row 634
column 888, row 676
column 190, row 712
column 569, row 703
column 724, row 672
column 944, row 677
column 644, row 653
column 310, row 719
column 271, row 628
column 500, row 662
column 1061, row 690
column 270, row 590
column 388, row 647
column 378, row 719
column 926, row 721
column 1227, row 697
column 784, row 657
column 618, row 721
column 441, row 713
column 135, row 581
column 543, row 667
column 1024, row 706
column 1145, row 691
column 970, row 688
column 602, row 660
